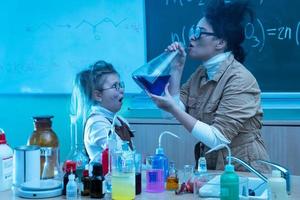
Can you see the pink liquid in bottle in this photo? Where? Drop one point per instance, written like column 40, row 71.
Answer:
column 155, row 180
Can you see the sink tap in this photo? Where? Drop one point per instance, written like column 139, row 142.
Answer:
column 284, row 173
column 249, row 167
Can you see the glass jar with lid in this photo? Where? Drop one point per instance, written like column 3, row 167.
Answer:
column 46, row 138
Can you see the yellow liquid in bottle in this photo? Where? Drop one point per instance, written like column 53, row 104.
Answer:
column 172, row 183
column 123, row 186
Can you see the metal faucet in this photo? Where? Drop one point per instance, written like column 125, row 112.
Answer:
column 284, row 173
column 250, row 168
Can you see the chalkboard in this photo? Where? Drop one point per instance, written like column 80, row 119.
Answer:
column 272, row 39
column 43, row 44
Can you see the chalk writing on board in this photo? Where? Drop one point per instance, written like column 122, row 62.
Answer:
column 250, row 35
column 84, row 22
column 259, row 33
column 135, row 27
column 176, row 38
column 256, row 32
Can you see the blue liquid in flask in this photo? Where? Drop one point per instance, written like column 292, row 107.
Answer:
column 157, row 87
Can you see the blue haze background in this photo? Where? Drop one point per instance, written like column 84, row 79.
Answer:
column 43, row 44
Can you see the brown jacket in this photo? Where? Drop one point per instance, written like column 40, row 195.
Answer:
column 231, row 103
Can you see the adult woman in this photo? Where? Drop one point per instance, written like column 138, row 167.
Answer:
column 221, row 100
column 99, row 93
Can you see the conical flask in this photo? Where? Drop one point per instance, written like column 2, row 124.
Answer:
column 77, row 152
column 154, row 75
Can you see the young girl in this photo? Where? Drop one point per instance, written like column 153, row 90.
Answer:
column 99, row 95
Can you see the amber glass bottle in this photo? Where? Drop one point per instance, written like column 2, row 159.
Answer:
column 45, row 137
column 172, row 180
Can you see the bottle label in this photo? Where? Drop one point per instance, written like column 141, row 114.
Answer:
column 47, row 151
column 152, row 176
column 7, row 167
column 104, row 184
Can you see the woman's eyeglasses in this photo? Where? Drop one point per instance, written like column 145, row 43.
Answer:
column 116, row 86
column 196, row 33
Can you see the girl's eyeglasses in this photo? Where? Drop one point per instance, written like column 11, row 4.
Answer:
column 116, row 86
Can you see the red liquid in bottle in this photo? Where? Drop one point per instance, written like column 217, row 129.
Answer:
column 105, row 162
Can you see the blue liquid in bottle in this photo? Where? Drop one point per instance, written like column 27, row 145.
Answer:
column 157, row 87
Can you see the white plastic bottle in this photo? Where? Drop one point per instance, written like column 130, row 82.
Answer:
column 277, row 187
column 71, row 190
column 202, row 168
column 6, row 163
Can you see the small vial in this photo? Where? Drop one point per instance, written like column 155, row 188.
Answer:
column 202, row 168
column 69, row 168
column 97, row 189
column 72, row 188
column 172, row 180
column 85, row 180
column 138, row 173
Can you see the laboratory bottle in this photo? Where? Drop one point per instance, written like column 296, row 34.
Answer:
column 105, row 160
column 69, row 168
column 138, row 173
column 154, row 175
column 46, row 138
column 277, row 186
column 97, row 186
column 86, row 183
column 161, row 162
column 229, row 184
column 229, row 181
column 6, row 163
column 172, row 180
column 160, row 159
column 202, row 168
column 71, row 188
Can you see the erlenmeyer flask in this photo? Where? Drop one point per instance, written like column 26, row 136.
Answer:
column 80, row 158
column 154, row 75
column 77, row 152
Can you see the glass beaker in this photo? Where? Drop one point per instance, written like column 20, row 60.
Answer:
column 154, row 177
column 154, row 75
column 123, row 175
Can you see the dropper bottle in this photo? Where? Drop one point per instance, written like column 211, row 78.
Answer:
column 229, row 179
column 160, row 158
